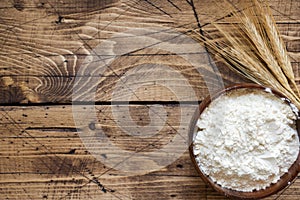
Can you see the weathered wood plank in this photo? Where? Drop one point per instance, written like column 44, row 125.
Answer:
column 153, row 186
column 45, row 43
column 42, row 155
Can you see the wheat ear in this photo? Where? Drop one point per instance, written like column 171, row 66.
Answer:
column 254, row 49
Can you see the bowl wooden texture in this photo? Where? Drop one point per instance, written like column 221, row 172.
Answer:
column 284, row 181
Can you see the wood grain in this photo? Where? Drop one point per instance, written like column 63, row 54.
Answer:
column 45, row 43
column 43, row 155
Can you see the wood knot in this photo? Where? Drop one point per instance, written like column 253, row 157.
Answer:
column 59, row 20
column 19, row 5
column 16, row 92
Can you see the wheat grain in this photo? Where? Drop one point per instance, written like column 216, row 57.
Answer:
column 280, row 52
column 252, row 46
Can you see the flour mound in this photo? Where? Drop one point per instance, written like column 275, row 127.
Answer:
column 247, row 140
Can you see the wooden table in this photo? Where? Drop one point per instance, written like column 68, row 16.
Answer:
column 45, row 43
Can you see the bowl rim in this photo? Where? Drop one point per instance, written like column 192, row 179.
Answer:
column 284, row 181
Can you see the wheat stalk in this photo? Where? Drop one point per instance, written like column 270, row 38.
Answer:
column 255, row 50
column 279, row 50
column 254, row 30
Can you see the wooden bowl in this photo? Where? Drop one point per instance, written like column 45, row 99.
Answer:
column 284, row 181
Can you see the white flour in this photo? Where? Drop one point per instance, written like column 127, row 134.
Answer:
column 246, row 140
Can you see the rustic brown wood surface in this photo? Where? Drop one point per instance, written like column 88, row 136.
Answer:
column 45, row 43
